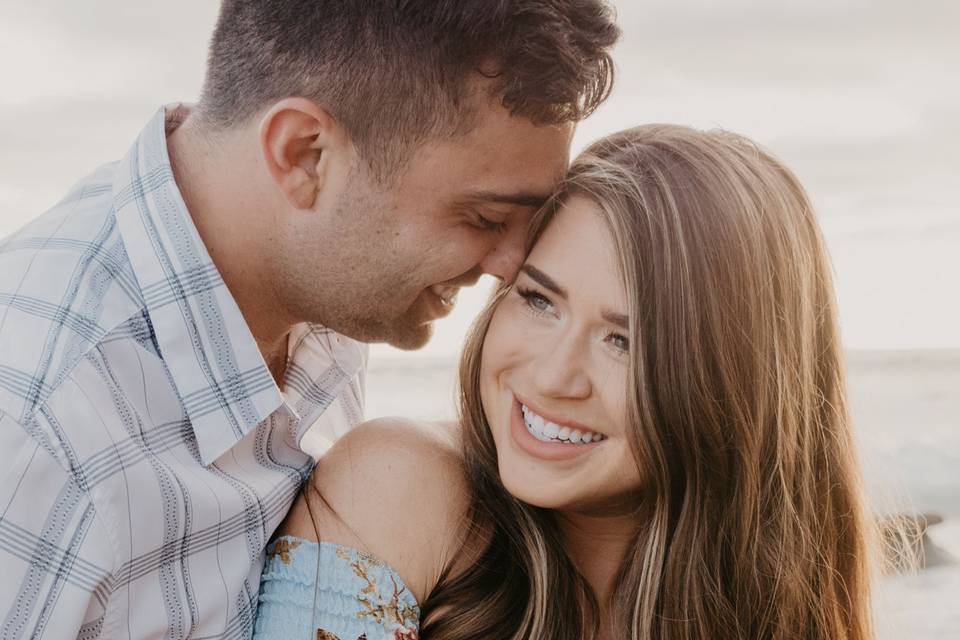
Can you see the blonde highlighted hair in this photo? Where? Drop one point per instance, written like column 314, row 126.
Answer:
column 751, row 524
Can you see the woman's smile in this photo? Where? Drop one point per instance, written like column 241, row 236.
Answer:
column 548, row 440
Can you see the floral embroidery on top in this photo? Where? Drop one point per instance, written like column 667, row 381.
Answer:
column 326, row 635
column 383, row 612
column 361, row 597
column 398, row 634
column 282, row 548
column 396, row 617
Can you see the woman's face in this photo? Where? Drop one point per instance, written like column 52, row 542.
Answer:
column 554, row 372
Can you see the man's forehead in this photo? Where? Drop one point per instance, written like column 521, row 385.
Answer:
column 515, row 163
column 518, row 157
column 502, row 158
column 490, row 124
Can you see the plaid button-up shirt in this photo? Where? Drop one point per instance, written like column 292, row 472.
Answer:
column 146, row 453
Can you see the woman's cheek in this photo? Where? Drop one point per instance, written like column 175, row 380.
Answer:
column 508, row 328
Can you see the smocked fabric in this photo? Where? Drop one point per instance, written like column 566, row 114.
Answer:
column 328, row 591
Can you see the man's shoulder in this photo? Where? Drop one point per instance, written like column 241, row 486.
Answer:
column 65, row 283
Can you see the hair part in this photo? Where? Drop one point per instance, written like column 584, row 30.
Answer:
column 751, row 522
column 396, row 73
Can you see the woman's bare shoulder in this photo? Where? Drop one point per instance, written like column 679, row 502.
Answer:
column 395, row 489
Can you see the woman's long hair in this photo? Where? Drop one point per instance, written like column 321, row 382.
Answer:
column 750, row 524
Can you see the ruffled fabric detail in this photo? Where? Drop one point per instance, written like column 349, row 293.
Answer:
column 357, row 596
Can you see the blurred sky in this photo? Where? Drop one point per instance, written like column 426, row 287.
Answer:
column 861, row 99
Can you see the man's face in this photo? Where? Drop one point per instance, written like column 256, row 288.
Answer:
column 402, row 249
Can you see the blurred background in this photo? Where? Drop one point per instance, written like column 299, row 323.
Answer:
column 860, row 98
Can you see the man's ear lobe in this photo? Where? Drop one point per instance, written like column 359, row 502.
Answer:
column 296, row 135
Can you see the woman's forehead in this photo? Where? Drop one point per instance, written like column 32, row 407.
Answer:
column 578, row 254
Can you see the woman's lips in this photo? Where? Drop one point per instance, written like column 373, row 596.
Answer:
column 546, row 415
column 550, row 451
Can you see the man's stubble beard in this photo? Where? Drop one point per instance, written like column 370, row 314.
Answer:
column 404, row 331
column 358, row 297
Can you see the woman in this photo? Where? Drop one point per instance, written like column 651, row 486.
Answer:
column 653, row 437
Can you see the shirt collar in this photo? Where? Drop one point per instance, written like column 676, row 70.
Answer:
column 319, row 365
column 213, row 359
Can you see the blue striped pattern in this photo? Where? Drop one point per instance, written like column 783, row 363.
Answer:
column 146, row 454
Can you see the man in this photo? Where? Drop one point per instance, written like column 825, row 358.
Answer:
column 172, row 328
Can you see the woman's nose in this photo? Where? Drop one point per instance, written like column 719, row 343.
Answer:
column 561, row 371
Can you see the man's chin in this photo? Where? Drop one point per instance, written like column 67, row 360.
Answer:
column 408, row 331
column 411, row 338
column 414, row 329
column 406, row 337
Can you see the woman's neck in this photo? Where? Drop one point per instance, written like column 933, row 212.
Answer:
column 597, row 545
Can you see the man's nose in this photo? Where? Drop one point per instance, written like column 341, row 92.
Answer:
column 504, row 259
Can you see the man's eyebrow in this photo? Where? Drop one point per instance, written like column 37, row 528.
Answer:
column 521, row 198
column 544, row 280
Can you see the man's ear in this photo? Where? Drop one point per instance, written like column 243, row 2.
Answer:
column 299, row 140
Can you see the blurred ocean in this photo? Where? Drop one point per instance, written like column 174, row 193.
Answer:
column 906, row 407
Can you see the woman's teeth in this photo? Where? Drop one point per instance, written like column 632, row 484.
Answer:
column 550, row 432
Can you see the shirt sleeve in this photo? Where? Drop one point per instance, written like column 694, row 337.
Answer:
column 332, row 592
column 55, row 555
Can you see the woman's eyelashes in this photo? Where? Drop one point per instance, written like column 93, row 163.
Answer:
column 618, row 342
column 535, row 302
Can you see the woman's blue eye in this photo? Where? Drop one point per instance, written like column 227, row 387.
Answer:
column 535, row 300
column 620, row 343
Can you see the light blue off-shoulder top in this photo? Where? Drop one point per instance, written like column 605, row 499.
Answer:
column 357, row 597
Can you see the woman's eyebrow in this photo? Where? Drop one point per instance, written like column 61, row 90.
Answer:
column 617, row 318
column 544, row 280
column 549, row 284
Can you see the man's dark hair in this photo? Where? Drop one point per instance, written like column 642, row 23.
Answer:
column 395, row 73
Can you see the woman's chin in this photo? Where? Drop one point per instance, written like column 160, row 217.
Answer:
column 534, row 491
column 567, row 495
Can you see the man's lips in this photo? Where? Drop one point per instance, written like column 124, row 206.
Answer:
column 446, row 293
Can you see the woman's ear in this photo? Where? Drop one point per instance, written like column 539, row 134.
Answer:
column 299, row 141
